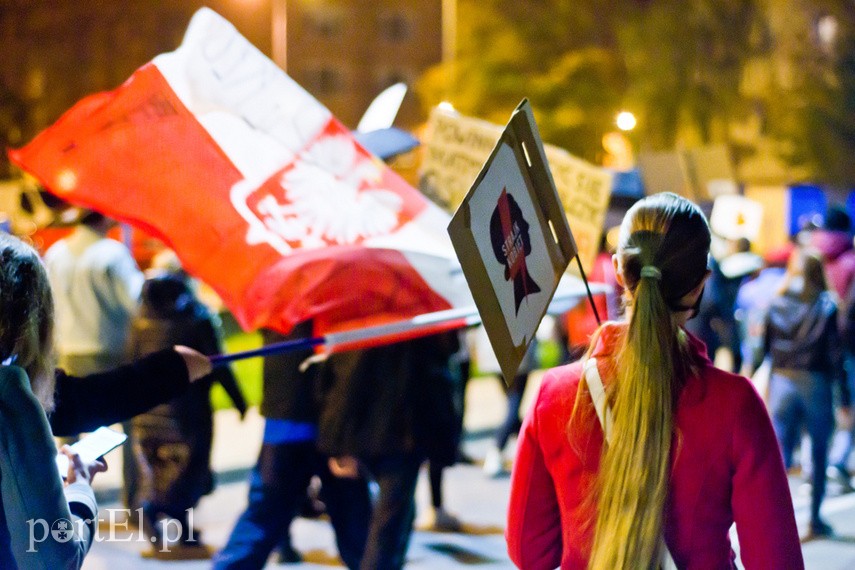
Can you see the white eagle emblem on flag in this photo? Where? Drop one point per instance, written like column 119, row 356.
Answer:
column 329, row 195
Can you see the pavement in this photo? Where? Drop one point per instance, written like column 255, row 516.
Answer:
column 480, row 502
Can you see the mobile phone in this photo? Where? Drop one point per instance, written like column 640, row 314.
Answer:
column 91, row 447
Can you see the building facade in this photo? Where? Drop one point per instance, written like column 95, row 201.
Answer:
column 344, row 52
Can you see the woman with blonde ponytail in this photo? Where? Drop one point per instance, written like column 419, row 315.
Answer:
column 643, row 454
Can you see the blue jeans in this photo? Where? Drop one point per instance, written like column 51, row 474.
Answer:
column 797, row 400
column 277, row 488
column 511, row 424
column 844, row 440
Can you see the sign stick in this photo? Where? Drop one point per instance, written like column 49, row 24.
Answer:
column 588, row 289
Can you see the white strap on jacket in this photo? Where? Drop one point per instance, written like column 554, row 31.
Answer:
column 598, row 395
column 604, row 414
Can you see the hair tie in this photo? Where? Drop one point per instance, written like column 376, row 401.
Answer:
column 651, row 271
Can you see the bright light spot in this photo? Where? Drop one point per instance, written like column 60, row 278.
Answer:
column 66, row 180
column 625, row 121
column 447, row 107
column 826, row 29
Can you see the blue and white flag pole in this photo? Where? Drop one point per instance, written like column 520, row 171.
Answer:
column 369, row 336
column 565, row 298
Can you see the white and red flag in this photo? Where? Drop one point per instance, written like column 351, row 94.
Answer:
column 262, row 192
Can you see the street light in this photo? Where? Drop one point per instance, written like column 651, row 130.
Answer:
column 617, row 145
column 625, row 121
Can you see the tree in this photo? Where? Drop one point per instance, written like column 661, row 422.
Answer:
column 816, row 117
column 677, row 64
column 560, row 55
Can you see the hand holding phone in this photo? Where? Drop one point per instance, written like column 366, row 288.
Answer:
column 91, row 447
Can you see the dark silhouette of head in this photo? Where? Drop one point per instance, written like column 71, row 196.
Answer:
column 97, row 222
column 511, row 243
column 837, row 219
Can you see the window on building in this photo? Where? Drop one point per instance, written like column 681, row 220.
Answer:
column 395, row 26
column 324, row 22
column 325, row 80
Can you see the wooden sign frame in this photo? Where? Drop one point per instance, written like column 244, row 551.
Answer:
column 513, row 240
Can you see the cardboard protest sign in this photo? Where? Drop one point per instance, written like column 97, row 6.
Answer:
column 712, row 172
column 774, row 224
column 665, row 172
column 456, row 147
column 700, row 174
column 584, row 191
column 512, row 239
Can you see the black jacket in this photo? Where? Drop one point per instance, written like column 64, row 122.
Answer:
column 169, row 314
column 288, row 393
column 86, row 403
column 805, row 336
column 393, row 399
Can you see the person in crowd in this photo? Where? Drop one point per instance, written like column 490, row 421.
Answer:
column 494, row 460
column 716, row 323
column 752, row 302
column 704, row 325
column 834, row 242
column 843, row 441
column 739, row 265
column 803, row 342
column 575, row 327
column 288, row 460
column 174, row 439
column 444, row 453
column 31, row 488
column 381, row 414
column 96, row 284
column 644, row 451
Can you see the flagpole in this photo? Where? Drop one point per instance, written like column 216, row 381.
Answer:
column 267, row 350
column 588, row 289
column 360, row 338
column 420, row 325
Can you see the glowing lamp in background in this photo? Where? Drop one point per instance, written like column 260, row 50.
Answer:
column 625, row 121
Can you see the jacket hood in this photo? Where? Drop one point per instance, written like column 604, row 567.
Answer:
column 789, row 313
column 831, row 243
column 794, row 318
column 165, row 296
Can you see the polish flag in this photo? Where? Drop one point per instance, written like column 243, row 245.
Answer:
column 262, row 193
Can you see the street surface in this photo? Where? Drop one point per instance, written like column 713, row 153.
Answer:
column 479, row 502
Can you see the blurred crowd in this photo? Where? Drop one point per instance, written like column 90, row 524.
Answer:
column 348, row 435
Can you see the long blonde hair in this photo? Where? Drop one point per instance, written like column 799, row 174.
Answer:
column 669, row 236
column 26, row 316
column 805, row 277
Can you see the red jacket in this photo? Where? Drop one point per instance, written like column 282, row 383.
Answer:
column 726, row 467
